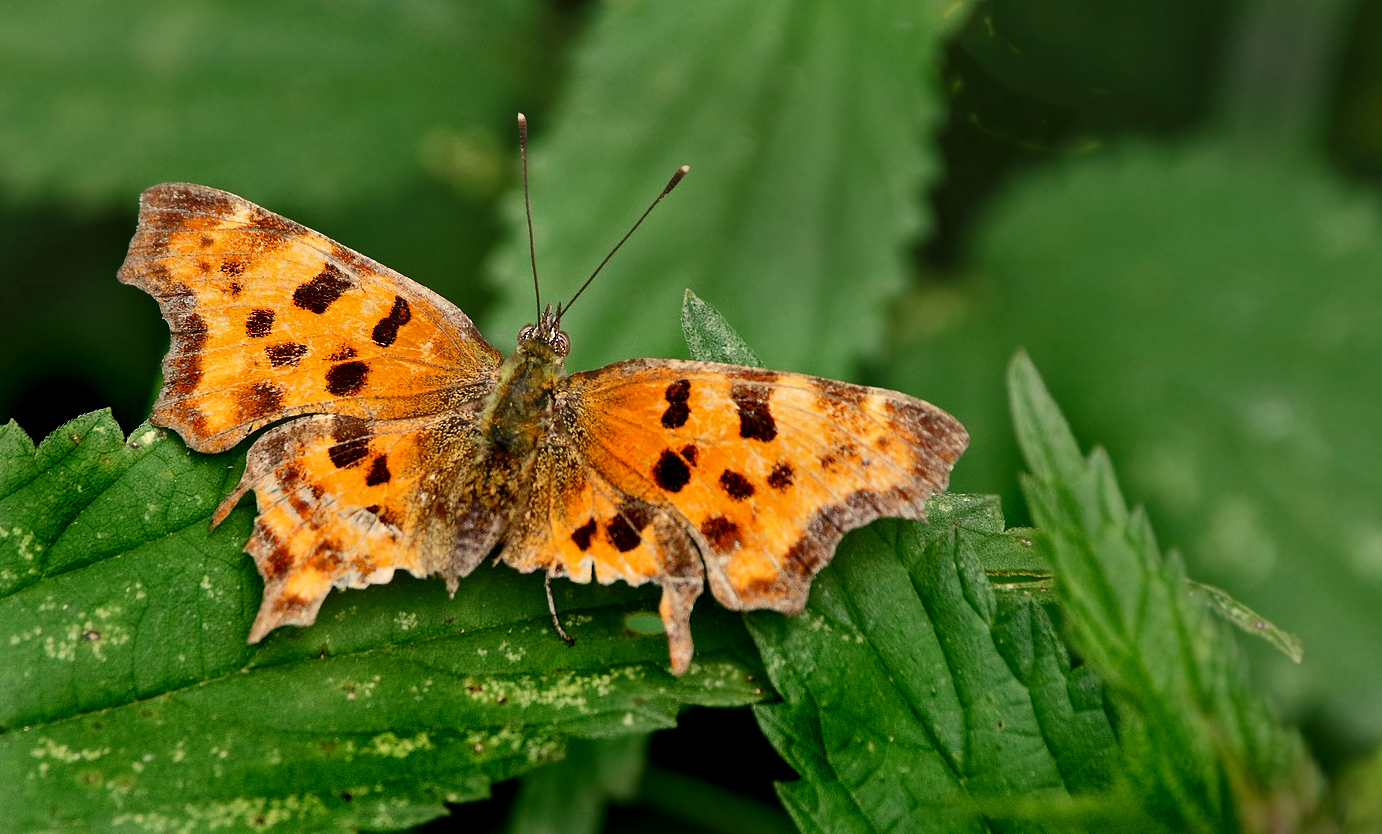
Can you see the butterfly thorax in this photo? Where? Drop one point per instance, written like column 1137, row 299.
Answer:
column 519, row 411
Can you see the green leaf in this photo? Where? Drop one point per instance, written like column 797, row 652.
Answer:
column 806, row 128
column 709, row 337
column 1213, row 315
column 569, row 796
column 1221, row 603
column 913, row 700
column 103, row 100
column 1202, row 751
column 132, row 699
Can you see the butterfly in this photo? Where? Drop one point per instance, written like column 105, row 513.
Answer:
column 402, row 440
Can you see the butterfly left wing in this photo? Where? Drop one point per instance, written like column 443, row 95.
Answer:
column 380, row 379
column 759, row 472
column 271, row 319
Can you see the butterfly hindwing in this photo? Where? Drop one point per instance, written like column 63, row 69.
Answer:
column 270, row 319
column 581, row 521
column 344, row 502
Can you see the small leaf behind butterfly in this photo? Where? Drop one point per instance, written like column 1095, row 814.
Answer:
column 709, row 337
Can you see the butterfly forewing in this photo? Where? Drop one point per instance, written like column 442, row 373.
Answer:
column 271, row 319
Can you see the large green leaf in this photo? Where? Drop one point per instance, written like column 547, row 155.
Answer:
column 101, row 100
column 914, row 701
column 131, row 698
column 1214, row 317
column 806, row 128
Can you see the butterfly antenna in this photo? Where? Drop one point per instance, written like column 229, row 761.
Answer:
column 527, row 207
column 676, row 178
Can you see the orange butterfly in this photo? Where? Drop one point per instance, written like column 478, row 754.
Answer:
column 413, row 444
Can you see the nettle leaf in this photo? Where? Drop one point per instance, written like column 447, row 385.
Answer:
column 914, row 697
column 1209, row 313
column 806, row 126
column 131, row 698
column 104, row 100
column 914, row 700
column 1202, row 751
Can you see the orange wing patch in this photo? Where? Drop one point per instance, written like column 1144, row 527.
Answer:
column 585, row 515
column 339, row 502
column 271, row 319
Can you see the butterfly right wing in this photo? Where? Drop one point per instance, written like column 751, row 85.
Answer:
column 665, row 466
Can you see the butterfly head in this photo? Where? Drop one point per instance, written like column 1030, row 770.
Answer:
column 547, row 333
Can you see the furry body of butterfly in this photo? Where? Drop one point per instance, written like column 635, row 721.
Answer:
column 405, row 441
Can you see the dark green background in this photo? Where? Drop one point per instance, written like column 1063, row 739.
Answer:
column 1170, row 204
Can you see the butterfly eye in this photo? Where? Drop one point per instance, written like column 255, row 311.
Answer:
column 560, row 343
column 526, row 334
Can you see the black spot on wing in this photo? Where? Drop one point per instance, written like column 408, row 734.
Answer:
column 285, row 353
column 755, row 418
column 259, row 322
column 378, row 471
column 625, row 528
column 677, row 395
column 691, row 453
column 622, row 535
column 582, row 535
column 352, row 441
column 781, row 477
column 386, row 330
column 722, row 534
column 671, row 472
column 735, row 485
column 322, row 291
column 346, row 378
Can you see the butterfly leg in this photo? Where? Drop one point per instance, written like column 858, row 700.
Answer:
column 552, row 607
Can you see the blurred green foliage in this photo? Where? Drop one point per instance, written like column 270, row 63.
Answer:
column 1169, row 204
